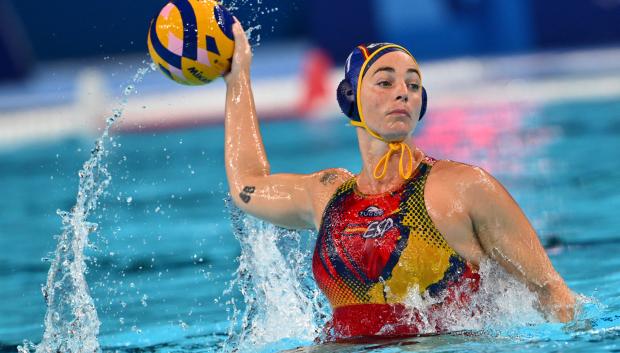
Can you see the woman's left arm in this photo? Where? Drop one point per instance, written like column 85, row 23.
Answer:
column 507, row 236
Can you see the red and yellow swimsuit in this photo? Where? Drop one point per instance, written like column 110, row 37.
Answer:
column 373, row 250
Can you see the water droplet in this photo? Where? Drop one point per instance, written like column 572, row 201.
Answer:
column 128, row 90
column 144, row 299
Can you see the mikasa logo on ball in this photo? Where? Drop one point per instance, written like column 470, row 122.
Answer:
column 198, row 75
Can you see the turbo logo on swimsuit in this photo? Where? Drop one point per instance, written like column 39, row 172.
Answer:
column 371, row 211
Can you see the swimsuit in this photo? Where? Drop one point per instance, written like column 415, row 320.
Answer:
column 373, row 252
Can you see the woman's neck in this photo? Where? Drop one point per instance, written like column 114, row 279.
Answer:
column 372, row 150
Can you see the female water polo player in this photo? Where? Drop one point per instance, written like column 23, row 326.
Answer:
column 407, row 223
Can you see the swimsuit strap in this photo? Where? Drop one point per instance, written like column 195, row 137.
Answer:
column 429, row 160
column 349, row 184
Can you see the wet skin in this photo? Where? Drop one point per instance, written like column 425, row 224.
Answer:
column 472, row 210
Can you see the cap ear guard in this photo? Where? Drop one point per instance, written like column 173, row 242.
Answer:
column 424, row 101
column 346, row 99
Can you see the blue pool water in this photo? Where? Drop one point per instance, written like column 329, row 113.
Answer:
column 163, row 262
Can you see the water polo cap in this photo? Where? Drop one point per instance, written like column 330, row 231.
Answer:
column 356, row 66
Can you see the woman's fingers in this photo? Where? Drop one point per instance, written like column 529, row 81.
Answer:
column 242, row 55
column 241, row 40
column 237, row 31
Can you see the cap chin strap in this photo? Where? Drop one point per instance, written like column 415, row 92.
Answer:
column 393, row 146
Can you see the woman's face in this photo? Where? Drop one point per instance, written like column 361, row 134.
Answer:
column 391, row 96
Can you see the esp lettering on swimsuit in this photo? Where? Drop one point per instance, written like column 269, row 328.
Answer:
column 244, row 195
column 377, row 229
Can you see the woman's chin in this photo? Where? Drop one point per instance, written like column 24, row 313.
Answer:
column 395, row 136
column 397, row 131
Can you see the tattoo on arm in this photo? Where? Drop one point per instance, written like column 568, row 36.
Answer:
column 245, row 193
column 328, row 178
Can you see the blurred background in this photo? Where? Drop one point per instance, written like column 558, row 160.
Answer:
column 530, row 90
column 35, row 32
column 66, row 56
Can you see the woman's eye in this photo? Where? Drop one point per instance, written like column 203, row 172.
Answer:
column 384, row 83
column 414, row 86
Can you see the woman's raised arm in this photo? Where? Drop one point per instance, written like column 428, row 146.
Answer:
column 288, row 200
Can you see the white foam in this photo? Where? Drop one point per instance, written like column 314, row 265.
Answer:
column 283, row 302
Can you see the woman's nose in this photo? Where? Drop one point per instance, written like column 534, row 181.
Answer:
column 401, row 92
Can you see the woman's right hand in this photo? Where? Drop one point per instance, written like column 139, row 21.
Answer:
column 242, row 56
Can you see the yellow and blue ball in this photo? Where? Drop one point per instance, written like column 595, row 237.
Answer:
column 191, row 41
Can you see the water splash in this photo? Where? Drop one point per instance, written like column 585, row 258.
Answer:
column 280, row 298
column 501, row 303
column 282, row 307
column 71, row 322
column 259, row 11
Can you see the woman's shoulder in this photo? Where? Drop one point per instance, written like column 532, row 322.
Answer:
column 325, row 182
column 325, row 185
column 333, row 176
column 458, row 172
column 473, row 183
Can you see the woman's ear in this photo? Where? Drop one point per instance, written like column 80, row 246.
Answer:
column 346, row 98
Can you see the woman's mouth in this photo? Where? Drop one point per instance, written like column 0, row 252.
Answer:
column 399, row 112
